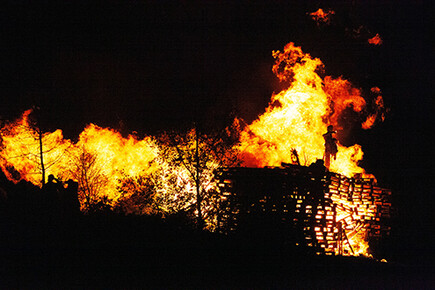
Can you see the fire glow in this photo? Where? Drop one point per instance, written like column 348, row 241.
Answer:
column 112, row 167
column 298, row 116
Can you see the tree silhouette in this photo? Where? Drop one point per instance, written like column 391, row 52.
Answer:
column 137, row 196
column 31, row 151
column 192, row 159
column 85, row 170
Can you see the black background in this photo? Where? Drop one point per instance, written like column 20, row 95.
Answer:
column 149, row 66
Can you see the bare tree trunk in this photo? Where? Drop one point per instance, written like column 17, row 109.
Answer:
column 41, row 155
column 197, row 181
column 84, row 178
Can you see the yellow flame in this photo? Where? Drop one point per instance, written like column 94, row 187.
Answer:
column 102, row 159
column 298, row 116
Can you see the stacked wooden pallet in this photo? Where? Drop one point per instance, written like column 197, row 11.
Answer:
column 359, row 200
column 328, row 208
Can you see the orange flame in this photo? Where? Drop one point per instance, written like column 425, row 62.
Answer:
column 321, row 16
column 21, row 147
column 298, row 116
column 375, row 40
column 116, row 156
column 379, row 109
column 102, row 160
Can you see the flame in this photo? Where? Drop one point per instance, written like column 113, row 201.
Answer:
column 379, row 109
column 114, row 168
column 113, row 156
column 21, row 147
column 298, row 116
column 116, row 156
column 375, row 40
column 350, row 216
column 321, row 16
column 111, row 168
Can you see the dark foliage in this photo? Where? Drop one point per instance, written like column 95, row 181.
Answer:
column 43, row 249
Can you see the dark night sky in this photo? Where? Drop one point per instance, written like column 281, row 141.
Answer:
column 161, row 65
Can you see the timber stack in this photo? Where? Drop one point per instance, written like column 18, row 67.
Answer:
column 305, row 206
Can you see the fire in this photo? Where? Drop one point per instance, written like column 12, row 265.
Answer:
column 175, row 173
column 375, row 40
column 101, row 155
column 115, row 157
column 298, row 116
column 321, row 16
column 21, row 151
column 112, row 169
column 296, row 119
column 379, row 109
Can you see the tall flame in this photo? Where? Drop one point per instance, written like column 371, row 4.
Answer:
column 298, row 116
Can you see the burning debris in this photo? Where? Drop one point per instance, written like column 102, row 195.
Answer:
column 375, row 40
column 322, row 17
column 364, row 33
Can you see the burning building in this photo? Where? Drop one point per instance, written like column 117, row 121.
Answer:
column 327, row 211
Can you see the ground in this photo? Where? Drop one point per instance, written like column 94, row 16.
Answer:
column 110, row 251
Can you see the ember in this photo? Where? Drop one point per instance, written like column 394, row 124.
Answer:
column 321, row 16
column 375, row 40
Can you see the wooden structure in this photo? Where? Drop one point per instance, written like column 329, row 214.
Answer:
column 309, row 206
